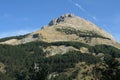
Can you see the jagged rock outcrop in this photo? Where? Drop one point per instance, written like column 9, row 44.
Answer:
column 53, row 50
column 60, row 19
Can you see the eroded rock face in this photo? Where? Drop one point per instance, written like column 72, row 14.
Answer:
column 53, row 50
column 60, row 19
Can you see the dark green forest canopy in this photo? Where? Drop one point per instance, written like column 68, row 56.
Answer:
column 20, row 59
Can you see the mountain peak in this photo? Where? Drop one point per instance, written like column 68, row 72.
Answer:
column 78, row 23
column 69, row 27
column 61, row 19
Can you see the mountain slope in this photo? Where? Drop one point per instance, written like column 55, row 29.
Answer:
column 69, row 28
column 69, row 48
column 72, row 22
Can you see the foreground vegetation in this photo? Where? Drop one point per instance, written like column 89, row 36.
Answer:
column 28, row 61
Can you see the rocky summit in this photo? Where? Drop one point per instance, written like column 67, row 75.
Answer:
column 60, row 19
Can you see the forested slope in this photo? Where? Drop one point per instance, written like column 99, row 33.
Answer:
column 29, row 61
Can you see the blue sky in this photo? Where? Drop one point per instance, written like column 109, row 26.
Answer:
column 24, row 16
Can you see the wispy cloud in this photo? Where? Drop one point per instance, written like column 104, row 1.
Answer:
column 83, row 9
column 80, row 7
column 93, row 17
column 106, row 27
column 115, row 21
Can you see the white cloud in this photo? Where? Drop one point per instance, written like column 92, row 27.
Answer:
column 80, row 7
column 106, row 27
column 94, row 18
column 83, row 10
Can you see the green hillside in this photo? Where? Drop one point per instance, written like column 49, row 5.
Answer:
column 28, row 61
